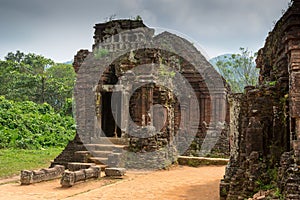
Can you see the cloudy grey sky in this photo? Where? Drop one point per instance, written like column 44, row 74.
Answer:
column 58, row 28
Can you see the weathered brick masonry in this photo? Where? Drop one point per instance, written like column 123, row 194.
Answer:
column 265, row 121
column 122, row 49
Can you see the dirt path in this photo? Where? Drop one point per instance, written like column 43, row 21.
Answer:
column 178, row 183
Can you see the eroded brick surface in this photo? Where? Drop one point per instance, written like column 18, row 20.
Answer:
column 266, row 123
column 121, row 46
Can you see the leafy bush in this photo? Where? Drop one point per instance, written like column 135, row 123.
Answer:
column 28, row 125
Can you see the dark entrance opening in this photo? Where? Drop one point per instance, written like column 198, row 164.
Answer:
column 111, row 113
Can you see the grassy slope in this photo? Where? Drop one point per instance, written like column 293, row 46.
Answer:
column 12, row 161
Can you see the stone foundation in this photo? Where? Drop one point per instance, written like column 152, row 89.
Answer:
column 159, row 159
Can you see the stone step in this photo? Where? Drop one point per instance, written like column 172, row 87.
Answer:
column 94, row 153
column 103, row 147
column 75, row 166
column 82, row 156
column 98, row 160
column 110, row 140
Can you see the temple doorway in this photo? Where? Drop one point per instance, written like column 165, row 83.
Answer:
column 111, row 114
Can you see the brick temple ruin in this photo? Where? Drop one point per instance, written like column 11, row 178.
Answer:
column 265, row 121
column 131, row 110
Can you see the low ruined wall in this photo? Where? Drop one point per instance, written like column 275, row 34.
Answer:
column 159, row 159
column 35, row 176
column 200, row 161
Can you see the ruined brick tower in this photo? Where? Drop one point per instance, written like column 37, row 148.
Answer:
column 265, row 121
column 131, row 110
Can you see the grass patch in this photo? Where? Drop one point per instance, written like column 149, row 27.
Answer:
column 12, row 161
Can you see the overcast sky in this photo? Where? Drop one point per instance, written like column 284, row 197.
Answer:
column 57, row 29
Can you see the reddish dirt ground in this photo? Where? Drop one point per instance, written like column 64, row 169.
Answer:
column 177, row 183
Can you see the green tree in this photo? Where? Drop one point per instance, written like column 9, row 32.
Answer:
column 239, row 70
column 17, row 57
column 31, row 77
column 60, row 80
column 15, row 82
column 23, row 76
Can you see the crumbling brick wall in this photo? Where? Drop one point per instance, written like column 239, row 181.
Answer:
column 122, row 45
column 266, row 122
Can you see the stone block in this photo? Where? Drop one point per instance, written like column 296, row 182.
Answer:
column 92, row 172
column 74, row 166
column 26, row 177
column 79, row 175
column 35, row 176
column 38, row 176
column 115, row 172
column 69, row 178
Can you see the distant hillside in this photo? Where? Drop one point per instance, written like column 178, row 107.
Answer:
column 69, row 62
